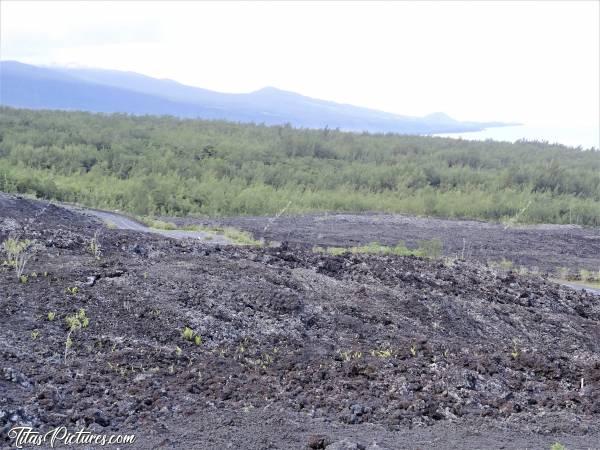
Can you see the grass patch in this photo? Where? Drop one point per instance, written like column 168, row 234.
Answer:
column 235, row 235
column 157, row 224
column 581, row 277
column 242, row 237
column 505, row 265
column 426, row 249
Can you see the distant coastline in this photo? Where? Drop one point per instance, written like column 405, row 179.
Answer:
column 585, row 137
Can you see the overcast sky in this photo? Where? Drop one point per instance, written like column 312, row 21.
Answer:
column 537, row 62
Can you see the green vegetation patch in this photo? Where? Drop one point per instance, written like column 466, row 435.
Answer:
column 236, row 236
column 427, row 249
column 163, row 166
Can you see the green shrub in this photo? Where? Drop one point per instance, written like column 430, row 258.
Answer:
column 18, row 252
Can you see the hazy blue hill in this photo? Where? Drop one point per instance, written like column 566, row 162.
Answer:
column 165, row 88
column 96, row 90
column 40, row 88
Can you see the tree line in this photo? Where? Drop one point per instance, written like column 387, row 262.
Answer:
column 153, row 165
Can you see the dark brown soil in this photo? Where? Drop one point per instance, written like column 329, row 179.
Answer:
column 545, row 248
column 297, row 348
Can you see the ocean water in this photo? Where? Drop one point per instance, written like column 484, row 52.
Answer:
column 573, row 137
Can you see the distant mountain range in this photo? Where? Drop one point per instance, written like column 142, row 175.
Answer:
column 108, row 91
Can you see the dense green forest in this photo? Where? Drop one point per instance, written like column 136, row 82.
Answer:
column 167, row 166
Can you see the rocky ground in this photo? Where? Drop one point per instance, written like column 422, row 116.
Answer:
column 287, row 349
column 542, row 248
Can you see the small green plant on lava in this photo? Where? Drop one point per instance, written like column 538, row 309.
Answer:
column 349, row 355
column 94, row 247
column 382, row 353
column 515, row 351
column 18, row 252
column 189, row 335
column 75, row 322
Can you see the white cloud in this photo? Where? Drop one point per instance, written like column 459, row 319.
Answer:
column 536, row 62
